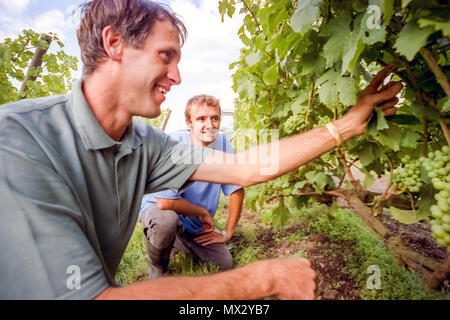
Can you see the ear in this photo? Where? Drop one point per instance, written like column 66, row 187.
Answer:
column 188, row 124
column 112, row 43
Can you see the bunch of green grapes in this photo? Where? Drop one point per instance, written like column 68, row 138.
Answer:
column 293, row 123
column 408, row 177
column 437, row 165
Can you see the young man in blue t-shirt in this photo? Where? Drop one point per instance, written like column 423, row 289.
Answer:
column 185, row 221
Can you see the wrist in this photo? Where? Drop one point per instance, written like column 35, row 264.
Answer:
column 226, row 234
column 345, row 127
column 204, row 213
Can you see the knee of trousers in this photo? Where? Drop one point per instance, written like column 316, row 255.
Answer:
column 160, row 226
column 223, row 261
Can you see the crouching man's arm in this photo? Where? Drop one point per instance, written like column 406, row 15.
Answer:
column 187, row 208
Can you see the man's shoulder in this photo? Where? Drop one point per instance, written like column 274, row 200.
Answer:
column 29, row 105
column 33, row 110
column 33, row 113
column 149, row 134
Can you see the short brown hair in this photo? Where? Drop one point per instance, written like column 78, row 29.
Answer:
column 134, row 19
column 201, row 99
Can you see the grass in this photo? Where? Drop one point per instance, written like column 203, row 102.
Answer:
column 342, row 227
column 134, row 261
column 133, row 267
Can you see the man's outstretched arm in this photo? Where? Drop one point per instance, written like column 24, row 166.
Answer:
column 288, row 278
column 292, row 152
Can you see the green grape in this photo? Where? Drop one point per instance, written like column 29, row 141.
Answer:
column 437, row 167
column 408, row 177
column 293, row 123
column 436, row 212
column 446, row 218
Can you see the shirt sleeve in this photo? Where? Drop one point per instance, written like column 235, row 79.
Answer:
column 228, row 189
column 168, row 194
column 175, row 164
column 45, row 251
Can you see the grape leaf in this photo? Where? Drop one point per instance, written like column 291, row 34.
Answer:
column 390, row 137
column 377, row 122
column 347, row 90
column 319, row 180
column 444, row 104
column 280, row 215
column 271, row 76
column 403, row 216
column 411, row 39
column 306, row 14
column 351, row 57
column 410, row 139
column 388, row 6
column 408, row 119
column 405, row 3
column 338, row 30
column 368, row 154
column 438, row 25
column 327, row 87
column 253, row 58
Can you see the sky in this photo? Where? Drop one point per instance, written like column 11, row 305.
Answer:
column 204, row 67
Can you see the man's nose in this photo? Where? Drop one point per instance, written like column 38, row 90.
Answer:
column 174, row 75
column 208, row 123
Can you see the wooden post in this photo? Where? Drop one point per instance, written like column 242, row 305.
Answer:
column 166, row 119
column 36, row 62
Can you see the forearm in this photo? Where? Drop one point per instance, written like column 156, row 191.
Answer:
column 283, row 156
column 182, row 206
column 236, row 201
column 248, row 282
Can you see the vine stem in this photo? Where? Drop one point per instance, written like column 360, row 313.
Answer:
column 443, row 82
column 257, row 23
column 252, row 14
column 334, row 193
column 440, row 76
column 420, row 98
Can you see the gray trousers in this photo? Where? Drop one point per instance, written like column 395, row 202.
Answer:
column 164, row 231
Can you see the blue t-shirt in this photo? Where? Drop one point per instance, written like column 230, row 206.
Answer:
column 205, row 194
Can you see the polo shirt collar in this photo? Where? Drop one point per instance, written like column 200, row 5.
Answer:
column 90, row 130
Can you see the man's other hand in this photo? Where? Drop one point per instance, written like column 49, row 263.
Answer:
column 294, row 278
column 372, row 97
column 209, row 237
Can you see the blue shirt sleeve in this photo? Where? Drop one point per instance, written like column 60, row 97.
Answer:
column 228, row 189
column 150, row 199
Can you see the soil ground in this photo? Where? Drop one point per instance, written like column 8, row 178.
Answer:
column 328, row 259
column 332, row 283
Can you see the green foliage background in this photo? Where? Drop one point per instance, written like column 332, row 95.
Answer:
column 53, row 76
column 302, row 65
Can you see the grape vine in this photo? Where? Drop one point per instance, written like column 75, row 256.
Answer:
column 302, row 65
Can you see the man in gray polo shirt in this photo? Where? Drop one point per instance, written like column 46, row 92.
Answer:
column 73, row 168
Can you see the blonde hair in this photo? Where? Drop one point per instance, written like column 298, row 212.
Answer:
column 201, row 99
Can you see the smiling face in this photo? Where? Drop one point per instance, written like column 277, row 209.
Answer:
column 147, row 74
column 204, row 123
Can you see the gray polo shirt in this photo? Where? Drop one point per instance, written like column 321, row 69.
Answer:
column 70, row 195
